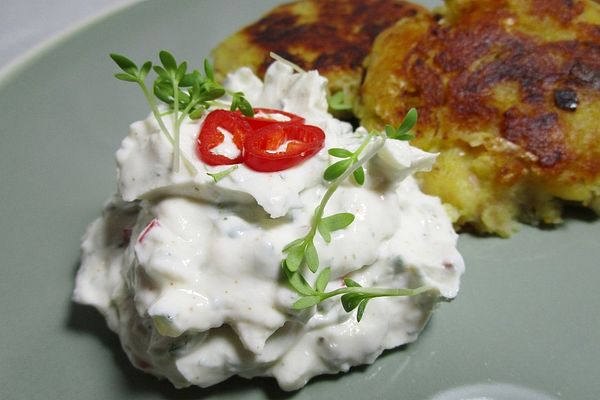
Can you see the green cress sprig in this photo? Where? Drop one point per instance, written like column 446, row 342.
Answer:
column 302, row 252
column 351, row 158
column 186, row 94
column 352, row 296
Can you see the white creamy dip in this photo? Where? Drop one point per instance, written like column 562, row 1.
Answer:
column 187, row 270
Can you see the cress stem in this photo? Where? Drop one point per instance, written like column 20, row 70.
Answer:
column 156, row 112
column 376, row 292
column 185, row 112
column 188, row 165
column 363, row 145
column 176, row 149
column 335, row 184
column 157, row 115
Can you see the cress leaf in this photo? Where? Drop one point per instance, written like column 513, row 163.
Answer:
column 311, row 256
column 295, row 257
column 406, row 137
column 323, row 280
column 335, row 170
column 197, row 113
column 208, row 70
column 337, row 221
column 306, row 302
column 246, row 108
column 291, row 244
column 168, row 61
column 183, row 95
column 390, row 131
column 126, row 77
column 234, row 103
column 145, row 69
column 188, row 79
column 195, row 89
column 339, row 102
column 297, row 282
column 240, row 103
column 340, row 153
column 324, row 231
column 181, row 70
column 409, row 122
column 160, row 71
column 212, row 93
column 359, row 175
column 124, row 63
column 361, row 309
column 164, row 92
column 351, row 283
column 351, row 300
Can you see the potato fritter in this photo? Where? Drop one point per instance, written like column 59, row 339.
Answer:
column 509, row 93
column 332, row 36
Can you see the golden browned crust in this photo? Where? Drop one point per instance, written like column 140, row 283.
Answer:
column 509, row 92
column 332, row 36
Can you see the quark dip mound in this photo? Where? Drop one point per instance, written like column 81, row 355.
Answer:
column 331, row 36
column 263, row 240
column 509, row 94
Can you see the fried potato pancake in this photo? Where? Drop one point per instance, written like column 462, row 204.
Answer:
column 509, row 93
column 332, row 36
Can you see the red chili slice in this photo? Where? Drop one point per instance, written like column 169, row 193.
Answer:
column 260, row 122
column 210, row 137
column 147, row 229
column 264, row 149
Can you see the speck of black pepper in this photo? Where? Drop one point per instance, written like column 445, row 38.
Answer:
column 398, row 263
column 566, row 99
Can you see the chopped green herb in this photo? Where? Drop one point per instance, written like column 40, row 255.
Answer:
column 302, row 252
column 217, row 176
column 339, row 102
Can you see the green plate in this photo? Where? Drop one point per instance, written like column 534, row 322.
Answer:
column 525, row 325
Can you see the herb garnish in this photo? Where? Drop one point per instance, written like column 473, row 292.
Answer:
column 302, row 252
column 217, row 176
column 339, row 102
column 186, row 94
